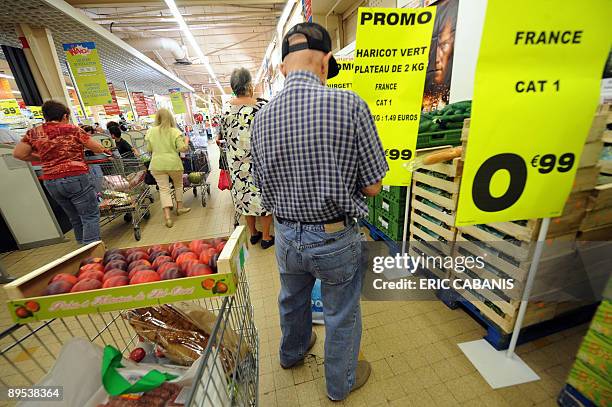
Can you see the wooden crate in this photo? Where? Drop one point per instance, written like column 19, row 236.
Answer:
column 419, row 248
column 435, row 190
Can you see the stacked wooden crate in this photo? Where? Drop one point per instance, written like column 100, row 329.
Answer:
column 597, row 224
column 508, row 249
column 435, row 191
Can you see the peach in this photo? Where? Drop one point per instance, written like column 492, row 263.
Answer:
column 90, row 260
column 58, row 287
column 72, row 279
column 186, row 256
column 114, row 273
column 220, row 247
column 115, row 264
column 144, row 276
column 187, row 264
column 199, row 270
column 90, row 267
column 213, row 262
column 207, row 254
column 172, row 274
column 197, row 246
column 116, row 281
column 179, row 250
column 157, row 248
column 139, row 263
column 113, row 256
column 86, row 285
column 175, row 245
column 156, row 254
column 132, row 257
column 97, row 274
column 167, row 266
column 112, row 252
column 140, row 267
column 161, row 260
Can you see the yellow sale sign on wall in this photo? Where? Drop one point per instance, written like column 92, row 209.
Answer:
column 10, row 107
column 36, row 112
column 344, row 79
column 88, row 74
column 178, row 104
column 536, row 90
column 390, row 76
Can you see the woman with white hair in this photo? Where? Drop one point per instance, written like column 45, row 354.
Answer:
column 165, row 141
column 235, row 129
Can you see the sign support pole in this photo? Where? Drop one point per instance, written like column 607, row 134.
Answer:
column 130, row 100
column 505, row 368
column 76, row 89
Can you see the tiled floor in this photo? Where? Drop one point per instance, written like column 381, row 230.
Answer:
column 412, row 345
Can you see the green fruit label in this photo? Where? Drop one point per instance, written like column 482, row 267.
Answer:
column 27, row 310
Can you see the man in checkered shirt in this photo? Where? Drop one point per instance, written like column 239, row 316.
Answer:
column 316, row 155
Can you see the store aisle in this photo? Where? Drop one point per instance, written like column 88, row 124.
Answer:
column 411, row 345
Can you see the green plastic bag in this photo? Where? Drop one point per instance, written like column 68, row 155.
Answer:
column 115, row 384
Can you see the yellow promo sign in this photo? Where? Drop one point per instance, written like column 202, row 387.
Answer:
column 36, row 112
column 88, row 74
column 178, row 104
column 536, row 90
column 390, row 77
column 10, row 108
column 344, row 79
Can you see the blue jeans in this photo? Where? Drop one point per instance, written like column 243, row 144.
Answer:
column 77, row 197
column 305, row 252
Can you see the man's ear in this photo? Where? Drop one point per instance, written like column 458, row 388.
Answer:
column 325, row 64
column 283, row 69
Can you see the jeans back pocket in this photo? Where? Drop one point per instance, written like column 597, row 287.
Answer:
column 336, row 263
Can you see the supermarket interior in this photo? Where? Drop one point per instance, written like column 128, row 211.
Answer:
column 305, row 203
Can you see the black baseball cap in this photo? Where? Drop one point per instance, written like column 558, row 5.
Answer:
column 317, row 38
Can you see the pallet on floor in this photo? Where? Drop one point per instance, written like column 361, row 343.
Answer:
column 377, row 235
column 572, row 315
column 571, row 397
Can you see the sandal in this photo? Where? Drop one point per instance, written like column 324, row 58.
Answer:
column 267, row 243
column 256, row 237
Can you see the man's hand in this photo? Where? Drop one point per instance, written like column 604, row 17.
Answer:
column 372, row 190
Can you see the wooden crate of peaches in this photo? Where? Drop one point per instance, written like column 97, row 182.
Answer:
column 139, row 265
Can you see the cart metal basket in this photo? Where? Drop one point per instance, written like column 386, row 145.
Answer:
column 120, row 183
column 28, row 352
column 196, row 160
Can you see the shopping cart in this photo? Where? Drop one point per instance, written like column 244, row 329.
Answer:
column 196, row 161
column 120, row 184
column 27, row 352
column 223, row 166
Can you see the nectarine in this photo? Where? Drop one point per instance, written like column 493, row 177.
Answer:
column 161, row 260
column 114, row 273
column 167, row 266
column 157, row 248
column 91, row 260
column 139, row 255
column 90, row 267
column 113, row 256
column 58, row 287
column 179, row 250
column 116, row 281
column 115, row 264
column 144, row 276
column 140, row 267
column 199, row 270
column 86, row 285
column 186, row 256
column 135, row 263
column 156, row 254
column 207, row 254
column 172, row 274
column 97, row 274
column 64, row 276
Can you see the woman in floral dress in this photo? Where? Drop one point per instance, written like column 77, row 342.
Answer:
column 235, row 130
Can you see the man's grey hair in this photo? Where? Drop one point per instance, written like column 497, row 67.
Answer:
column 240, row 81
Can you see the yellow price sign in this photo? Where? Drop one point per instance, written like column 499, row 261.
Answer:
column 344, row 79
column 36, row 112
column 390, row 77
column 536, row 89
column 10, row 107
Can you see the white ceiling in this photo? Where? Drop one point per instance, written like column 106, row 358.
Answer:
column 231, row 35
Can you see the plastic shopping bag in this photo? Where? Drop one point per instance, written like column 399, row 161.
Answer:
column 316, row 303
column 224, row 180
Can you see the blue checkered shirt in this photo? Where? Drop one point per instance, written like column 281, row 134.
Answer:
column 314, row 149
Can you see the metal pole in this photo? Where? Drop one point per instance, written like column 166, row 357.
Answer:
column 130, row 100
column 406, row 216
column 533, row 269
column 76, row 89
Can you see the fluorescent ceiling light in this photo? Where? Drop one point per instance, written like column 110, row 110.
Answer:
column 278, row 37
column 192, row 41
column 3, row 75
